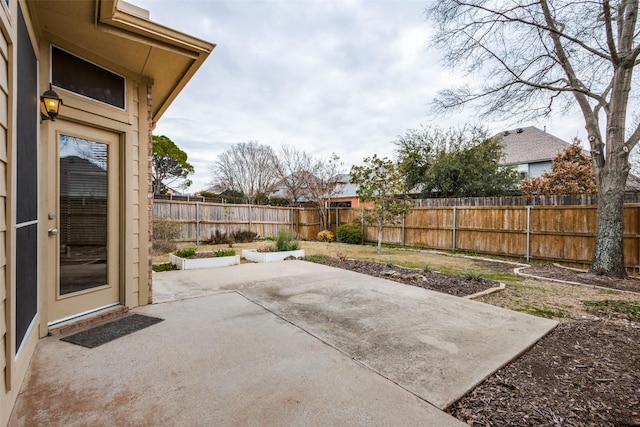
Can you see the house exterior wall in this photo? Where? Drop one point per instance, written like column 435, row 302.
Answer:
column 14, row 361
column 133, row 126
column 6, row 397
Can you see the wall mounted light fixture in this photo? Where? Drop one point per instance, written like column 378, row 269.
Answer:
column 49, row 105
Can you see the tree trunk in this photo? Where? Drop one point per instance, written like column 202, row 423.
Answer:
column 380, row 224
column 608, row 257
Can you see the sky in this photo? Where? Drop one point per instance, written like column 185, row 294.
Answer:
column 345, row 77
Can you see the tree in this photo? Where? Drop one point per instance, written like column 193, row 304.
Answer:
column 380, row 182
column 454, row 163
column 534, row 57
column 323, row 182
column 571, row 173
column 294, row 167
column 248, row 168
column 169, row 165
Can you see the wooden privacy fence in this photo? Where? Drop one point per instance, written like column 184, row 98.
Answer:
column 550, row 233
column 545, row 233
column 199, row 221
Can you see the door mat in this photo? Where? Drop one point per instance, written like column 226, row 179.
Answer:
column 103, row 334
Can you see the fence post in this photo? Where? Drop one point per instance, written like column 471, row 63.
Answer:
column 250, row 221
column 197, row 224
column 403, row 230
column 453, row 243
column 528, row 250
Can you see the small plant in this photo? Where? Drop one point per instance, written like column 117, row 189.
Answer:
column 224, row 252
column 285, row 242
column 389, row 264
column 427, row 268
column 350, row 233
column 167, row 266
column 472, row 275
column 326, row 236
column 454, row 251
column 186, row 252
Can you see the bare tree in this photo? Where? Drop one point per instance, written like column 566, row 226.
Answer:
column 247, row 167
column 534, row 57
column 323, row 183
column 294, row 167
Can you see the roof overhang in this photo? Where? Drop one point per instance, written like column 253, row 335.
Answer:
column 120, row 37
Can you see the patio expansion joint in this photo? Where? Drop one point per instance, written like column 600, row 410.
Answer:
column 359, row 362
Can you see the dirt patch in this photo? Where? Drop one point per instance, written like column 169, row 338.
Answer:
column 445, row 283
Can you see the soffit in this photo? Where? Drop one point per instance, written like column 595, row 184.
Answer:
column 101, row 32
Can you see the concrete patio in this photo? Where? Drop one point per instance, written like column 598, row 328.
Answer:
column 287, row 343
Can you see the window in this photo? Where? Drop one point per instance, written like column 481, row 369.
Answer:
column 84, row 78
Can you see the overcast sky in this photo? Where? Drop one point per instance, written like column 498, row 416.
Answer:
column 345, row 76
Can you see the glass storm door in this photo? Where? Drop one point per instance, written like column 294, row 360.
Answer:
column 86, row 237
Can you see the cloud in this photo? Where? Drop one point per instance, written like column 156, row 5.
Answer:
column 324, row 76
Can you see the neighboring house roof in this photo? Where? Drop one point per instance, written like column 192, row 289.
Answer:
column 530, row 145
column 134, row 44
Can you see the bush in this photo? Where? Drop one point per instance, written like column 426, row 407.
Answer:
column 326, row 236
column 350, row 233
column 285, row 242
column 165, row 234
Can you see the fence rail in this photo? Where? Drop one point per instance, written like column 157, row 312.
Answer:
column 545, row 233
column 555, row 200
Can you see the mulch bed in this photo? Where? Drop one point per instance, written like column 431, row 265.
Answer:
column 452, row 285
column 585, row 372
column 571, row 275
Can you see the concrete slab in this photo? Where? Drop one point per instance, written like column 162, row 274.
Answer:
column 287, row 343
column 437, row 346
column 215, row 360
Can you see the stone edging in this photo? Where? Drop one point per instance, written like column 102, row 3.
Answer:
column 517, row 272
column 486, row 292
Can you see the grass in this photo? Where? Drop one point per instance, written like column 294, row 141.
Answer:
column 536, row 297
column 614, row 306
column 165, row 266
column 544, row 311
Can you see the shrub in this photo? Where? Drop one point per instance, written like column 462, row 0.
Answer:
column 159, row 268
column 186, row 252
column 326, row 236
column 244, row 236
column 218, row 238
column 224, row 252
column 350, row 233
column 285, row 242
column 165, row 234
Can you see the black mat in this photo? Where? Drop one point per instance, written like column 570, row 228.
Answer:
column 102, row 334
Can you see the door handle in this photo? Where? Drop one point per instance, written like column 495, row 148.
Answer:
column 53, row 231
